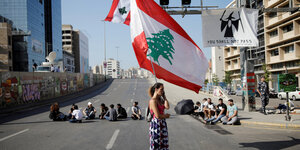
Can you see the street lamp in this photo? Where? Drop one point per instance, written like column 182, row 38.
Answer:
column 104, row 64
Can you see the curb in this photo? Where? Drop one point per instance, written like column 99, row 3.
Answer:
column 280, row 125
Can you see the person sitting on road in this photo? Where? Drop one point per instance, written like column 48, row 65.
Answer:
column 76, row 115
column 198, row 109
column 231, row 115
column 90, row 111
column 121, row 111
column 103, row 110
column 136, row 111
column 71, row 111
column 220, row 112
column 209, row 109
column 111, row 114
column 55, row 114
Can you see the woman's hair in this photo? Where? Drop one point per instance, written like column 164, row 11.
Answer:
column 54, row 107
column 152, row 88
column 103, row 105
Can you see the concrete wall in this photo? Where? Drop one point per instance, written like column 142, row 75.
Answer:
column 18, row 88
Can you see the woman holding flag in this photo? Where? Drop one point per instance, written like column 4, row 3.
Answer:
column 158, row 129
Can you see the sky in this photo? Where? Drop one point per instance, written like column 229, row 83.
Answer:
column 87, row 16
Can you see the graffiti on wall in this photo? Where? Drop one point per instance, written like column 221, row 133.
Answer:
column 31, row 92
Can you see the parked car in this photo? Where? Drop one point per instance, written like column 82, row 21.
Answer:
column 239, row 93
column 273, row 94
column 294, row 95
column 231, row 93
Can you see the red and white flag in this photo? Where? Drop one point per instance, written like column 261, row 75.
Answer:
column 158, row 37
column 119, row 12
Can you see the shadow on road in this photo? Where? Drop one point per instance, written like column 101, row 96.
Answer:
column 272, row 144
column 36, row 122
column 63, row 102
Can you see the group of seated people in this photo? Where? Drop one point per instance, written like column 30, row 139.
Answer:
column 211, row 113
column 111, row 114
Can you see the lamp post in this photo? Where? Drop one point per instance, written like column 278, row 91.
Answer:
column 287, row 117
column 104, row 64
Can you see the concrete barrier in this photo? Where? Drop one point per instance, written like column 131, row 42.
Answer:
column 19, row 88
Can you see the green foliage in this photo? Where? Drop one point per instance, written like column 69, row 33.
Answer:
column 266, row 73
column 287, row 82
column 122, row 11
column 206, row 81
column 215, row 79
column 161, row 45
column 228, row 78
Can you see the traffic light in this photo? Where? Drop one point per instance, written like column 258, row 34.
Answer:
column 164, row 2
column 186, row 2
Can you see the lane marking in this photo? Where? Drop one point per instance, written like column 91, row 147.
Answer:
column 97, row 101
column 113, row 139
column 133, row 93
column 7, row 137
column 131, row 100
column 135, row 88
column 127, row 110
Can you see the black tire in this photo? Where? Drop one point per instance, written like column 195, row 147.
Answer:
column 294, row 98
column 280, row 97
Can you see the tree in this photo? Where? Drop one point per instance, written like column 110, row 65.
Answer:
column 266, row 73
column 228, row 78
column 215, row 79
column 161, row 45
column 205, row 82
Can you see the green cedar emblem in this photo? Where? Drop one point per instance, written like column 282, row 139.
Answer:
column 161, row 45
column 122, row 11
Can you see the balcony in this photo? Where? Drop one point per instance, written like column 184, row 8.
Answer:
column 288, row 35
column 274, row 59
column 273, row 40
column 269, row 3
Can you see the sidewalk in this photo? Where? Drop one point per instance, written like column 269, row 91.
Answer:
column 272, row 120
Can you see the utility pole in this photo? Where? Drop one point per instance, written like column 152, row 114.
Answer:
column 105, row 63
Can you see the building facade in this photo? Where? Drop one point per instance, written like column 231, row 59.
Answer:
column 217, row 57
column 113, row 68
column 53, row 28
column 282, row 41
column 5, row 45
column 35, row 30
column 69, row 63
column 76, row 43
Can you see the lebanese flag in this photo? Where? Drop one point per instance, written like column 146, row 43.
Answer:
column 119, row 12
column 176, row 57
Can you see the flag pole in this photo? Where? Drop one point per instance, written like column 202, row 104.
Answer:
column 153, row 69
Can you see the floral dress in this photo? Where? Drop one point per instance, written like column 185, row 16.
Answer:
column 158, row 132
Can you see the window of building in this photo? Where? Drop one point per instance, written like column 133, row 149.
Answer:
column 277, row 66
column 292, row 64
column 9, row 55
column 272, row 14
column 9, row 41
column 235, row 61
column 287, row 28
column 275, row 52
column 273, row 33
column 289, row 49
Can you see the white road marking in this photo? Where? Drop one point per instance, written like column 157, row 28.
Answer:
column 133, row 93
column 97, row 101
column 7, row 137
column 131, row 100
column 113, row 139
column 135, row 88
column 127, row 109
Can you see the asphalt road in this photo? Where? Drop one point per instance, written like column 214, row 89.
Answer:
column 34, row 130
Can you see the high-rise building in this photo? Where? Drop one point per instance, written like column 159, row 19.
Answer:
column 32, row 23
column 5, row 44
column 113, row 68
column 282, row 41
column 76, row 43
column 53, row 29
column 217, row 57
